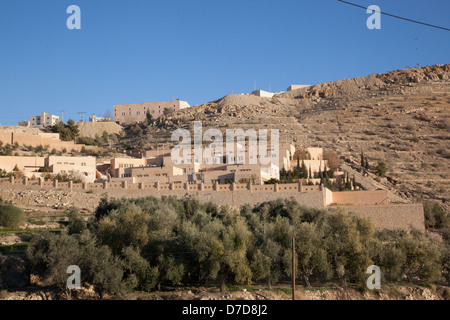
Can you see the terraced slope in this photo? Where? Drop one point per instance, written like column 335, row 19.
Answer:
column 401, row 117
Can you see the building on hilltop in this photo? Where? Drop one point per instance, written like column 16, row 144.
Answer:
column 95, row 118
column 43, row 120
column 297, row 86
column 137, row 112
column 84, row 168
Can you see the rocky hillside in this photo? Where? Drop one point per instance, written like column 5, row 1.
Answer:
column 400, row 117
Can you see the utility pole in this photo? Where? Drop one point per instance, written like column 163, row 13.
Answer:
column 81, row 116
column 293, row 268
column 62, row 116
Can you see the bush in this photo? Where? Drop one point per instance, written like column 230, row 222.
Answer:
column 381, row 168
column 11, row 216
column 49, row 255
column 435, row 216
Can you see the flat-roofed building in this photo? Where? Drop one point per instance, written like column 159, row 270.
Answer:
column 120, row 166
column 24, row 164
column 43, row 120
column 137, row 112
column 84, row 167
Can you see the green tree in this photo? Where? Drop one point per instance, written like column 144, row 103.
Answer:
column 310, row 255
column 77, row 224
column 49, row 255
column 235, row 239
column 381, row 168
column 435, row 216
column 167, row 111
column 67, row 132
column 422, row 257
column 343, row 245
column 11, row 216
column 148, row 117
column 138, row 272
column 124, row 227
column 7, row 150
column 304, row 170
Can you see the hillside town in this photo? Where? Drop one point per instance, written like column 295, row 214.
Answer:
column 42, row 159
column 239, row 158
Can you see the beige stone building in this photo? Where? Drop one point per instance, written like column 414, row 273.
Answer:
column 83, row 167
column 137, row 112
column 43, row 120
column 24, row 164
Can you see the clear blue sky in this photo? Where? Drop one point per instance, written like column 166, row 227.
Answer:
column 198, row 50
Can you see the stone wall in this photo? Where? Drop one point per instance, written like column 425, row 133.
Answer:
column 360, row 197
column 34, row 140
column 392, row 216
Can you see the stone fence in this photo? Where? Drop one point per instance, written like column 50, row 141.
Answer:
column 157, row 186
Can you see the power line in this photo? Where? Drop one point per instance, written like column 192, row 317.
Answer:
column 398, row 17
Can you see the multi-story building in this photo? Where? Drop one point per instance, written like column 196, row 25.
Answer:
column 137, row 112
column 44, row 120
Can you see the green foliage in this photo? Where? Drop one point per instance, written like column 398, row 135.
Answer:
column 167, row 111
column 88, row 141
column 343, row 242
column 134, row 130
column 67, row 132
column 124, row 227
column 7, row 150
column 381, row 168
column 422, row 257
column 272, row 181
column 139, row 274
column 49, row 256
column 435, row 216
column 142, row 244
column 11, row 216
column 77, row 224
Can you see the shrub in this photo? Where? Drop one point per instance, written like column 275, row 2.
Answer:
column 435, row 216
column 381, row 168
column 11, row 216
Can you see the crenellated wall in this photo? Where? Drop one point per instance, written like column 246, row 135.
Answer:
column 390, row 216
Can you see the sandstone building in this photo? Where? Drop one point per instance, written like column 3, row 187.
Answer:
column 137, row 112
column 43, row 120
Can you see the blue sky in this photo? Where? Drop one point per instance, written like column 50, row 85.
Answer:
column 198, row 50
